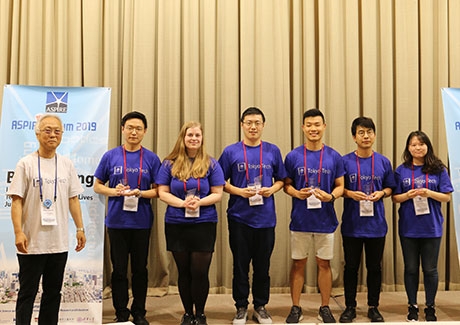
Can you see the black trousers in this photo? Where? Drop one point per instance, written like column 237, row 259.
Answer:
column 125, row 244
column 31, row 269
column 353, row 248
column 256, row 245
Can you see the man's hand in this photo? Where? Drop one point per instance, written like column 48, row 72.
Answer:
column 21, row 242
column 81, row 241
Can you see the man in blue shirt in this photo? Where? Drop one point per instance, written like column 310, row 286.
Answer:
column 254, row 171
column 369, row 179
column 315, row 180
column 126, row 174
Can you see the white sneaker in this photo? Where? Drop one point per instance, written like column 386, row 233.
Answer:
column 241, row 316
column 261, row 315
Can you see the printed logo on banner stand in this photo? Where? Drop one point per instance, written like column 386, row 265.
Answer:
column 85, row 114
column 451, row 103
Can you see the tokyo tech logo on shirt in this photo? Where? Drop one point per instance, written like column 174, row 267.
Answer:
column 56, row 101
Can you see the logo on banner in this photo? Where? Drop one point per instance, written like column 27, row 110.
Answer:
column 56, row 102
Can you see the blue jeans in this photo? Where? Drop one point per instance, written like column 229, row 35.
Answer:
column 31, row 268
column 125, row 243
column 248, row 244
column 353, row 248
column 426, row 250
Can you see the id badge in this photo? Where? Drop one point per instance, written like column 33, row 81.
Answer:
column 192, row 213
column 421, row 205
column 189, row 213
column 256, row 199
column 48, row 214
column 366, row 208
column 130, row 203
column 313, row 202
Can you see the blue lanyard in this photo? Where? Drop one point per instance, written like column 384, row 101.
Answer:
column 40, row 178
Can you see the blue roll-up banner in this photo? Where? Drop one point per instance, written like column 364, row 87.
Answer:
column 85, row 113
column 451, row 103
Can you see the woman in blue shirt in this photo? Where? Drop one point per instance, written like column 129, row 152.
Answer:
column 191, row 182
column 422, row 185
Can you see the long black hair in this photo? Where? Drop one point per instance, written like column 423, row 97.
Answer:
column 433, row 165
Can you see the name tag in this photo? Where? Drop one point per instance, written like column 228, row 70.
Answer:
column 421, row 205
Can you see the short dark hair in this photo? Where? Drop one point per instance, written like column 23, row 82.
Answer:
column 252, row 111
column 312, row 112
column 134, row 114
column 365, row 122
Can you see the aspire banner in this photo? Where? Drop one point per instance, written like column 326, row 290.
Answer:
column 84, row 112
column 451, row 103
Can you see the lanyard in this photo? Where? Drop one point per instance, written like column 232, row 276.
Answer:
column 359, row 173
column 413, row 178
column 246, row 161
column 198, row 186
column 40, row 177
column 125, row 176
column 305, row 174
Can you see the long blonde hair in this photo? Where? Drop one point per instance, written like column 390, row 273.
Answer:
column 182, row 166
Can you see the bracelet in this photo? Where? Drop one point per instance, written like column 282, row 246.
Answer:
column 332, row 198
column 81, row 229
column 384, row 194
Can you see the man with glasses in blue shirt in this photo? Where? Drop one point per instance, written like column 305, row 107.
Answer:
column 369, row 179
column 127, row 174
column 254, row 171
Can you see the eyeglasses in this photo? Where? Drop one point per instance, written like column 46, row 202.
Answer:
column 362, row 133
column 55, row 131
column 251, row 123
column 137, row 129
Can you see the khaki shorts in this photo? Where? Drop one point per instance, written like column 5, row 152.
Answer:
column 301, row 243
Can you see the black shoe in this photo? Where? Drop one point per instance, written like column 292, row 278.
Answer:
column 430, row 314
column 200, row 319
column 122, row 315
column 295, row 315
column 140, row 320
column 122, row 319
column 187, row 319
column 412, row 315
column 348, row 315
column 374, row 315
column 325, row 315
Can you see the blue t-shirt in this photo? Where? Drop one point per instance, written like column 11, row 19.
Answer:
column 353, row 225
column 234, row 166
column 214, row 177
column 323, row 220
column 111, row 169
column 426, row 225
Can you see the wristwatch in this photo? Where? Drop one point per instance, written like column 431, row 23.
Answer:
column 332, row 199
column 81, row 229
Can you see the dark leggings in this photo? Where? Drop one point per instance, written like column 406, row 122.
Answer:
column 193, row 280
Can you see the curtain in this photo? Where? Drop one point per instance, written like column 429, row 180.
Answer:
column 207, row 60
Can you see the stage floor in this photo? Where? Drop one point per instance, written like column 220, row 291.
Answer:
column 220, row 309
